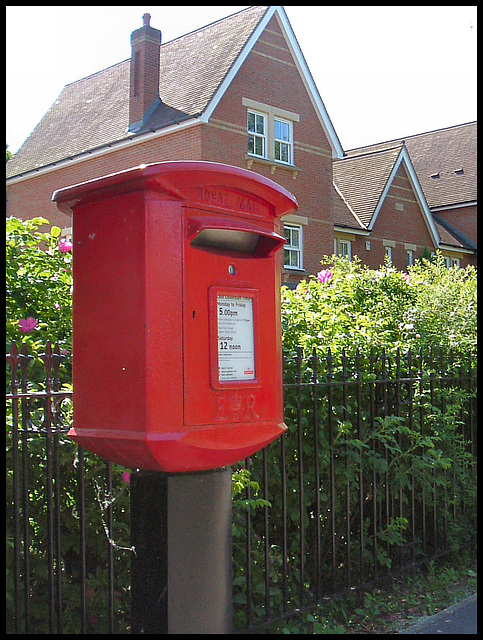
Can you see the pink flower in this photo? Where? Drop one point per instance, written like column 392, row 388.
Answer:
column 406, row 277
column 324, row 276
column 28, row 325
column 65, row 246
column 126, row 476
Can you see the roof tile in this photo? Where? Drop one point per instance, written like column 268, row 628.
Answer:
column 94, row 111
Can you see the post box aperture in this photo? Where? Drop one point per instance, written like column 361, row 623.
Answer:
column 176, row 314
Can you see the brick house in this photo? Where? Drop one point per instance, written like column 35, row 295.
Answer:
column 237, row 91
column 407, row 198
column 199, row 97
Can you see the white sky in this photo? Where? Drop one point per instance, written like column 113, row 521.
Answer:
column 382, row 72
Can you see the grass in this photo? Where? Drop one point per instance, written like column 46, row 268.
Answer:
column 394, row 605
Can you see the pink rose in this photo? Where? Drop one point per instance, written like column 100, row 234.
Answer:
column 65, row 246
column 324, row 276
column 27, row 325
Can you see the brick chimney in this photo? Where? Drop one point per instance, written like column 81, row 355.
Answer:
column 144, row 83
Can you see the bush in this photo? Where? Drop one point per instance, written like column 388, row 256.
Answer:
column 349, row 306
column 345, row 332
column 347, row 309
column 39, row 288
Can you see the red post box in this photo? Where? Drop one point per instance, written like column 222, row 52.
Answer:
column 176, row 314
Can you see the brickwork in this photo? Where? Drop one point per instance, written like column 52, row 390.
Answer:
column 32, row 197
column 268, row 77
column 464, row 219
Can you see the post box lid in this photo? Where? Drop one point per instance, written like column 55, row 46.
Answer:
column 175, row 180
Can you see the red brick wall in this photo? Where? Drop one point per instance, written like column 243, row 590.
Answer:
column 32, row 197
column 269, row 76
column 407, row 226
column 463, row 219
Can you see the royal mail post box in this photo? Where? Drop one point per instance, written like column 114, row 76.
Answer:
column 176, row 314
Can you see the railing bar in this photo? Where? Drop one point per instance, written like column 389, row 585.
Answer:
column 266, row 541
column 301, row 479
column 248, row 553
column 361, row 467
column 26, row 521
column 110, row 548
column 56, row 358
column 346, row 465
column 331, row 471
column 14, row 358
column 318, row 528
column 283, row 464
column 46, row 357
column 82, row 540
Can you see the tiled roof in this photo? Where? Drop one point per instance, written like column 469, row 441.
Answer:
column 94, row 112
column 444, row 161
column 361, row 180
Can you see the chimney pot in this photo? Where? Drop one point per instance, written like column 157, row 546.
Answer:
column 144, row 82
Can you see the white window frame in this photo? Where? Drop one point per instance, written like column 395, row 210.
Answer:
column 273, row 115
column 284, row 141
column 343, row 248
column 256, row 135
column 388, row 252
column 410, row 257
column 450, row 262
column 293, row 249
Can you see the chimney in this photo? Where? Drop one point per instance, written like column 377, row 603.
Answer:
column 144, row 82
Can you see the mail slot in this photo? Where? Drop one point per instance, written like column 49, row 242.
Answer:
column 176, row 314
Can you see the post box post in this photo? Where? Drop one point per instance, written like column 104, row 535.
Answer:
column 181, row 567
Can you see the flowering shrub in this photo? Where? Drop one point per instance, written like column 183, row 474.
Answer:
column 38, row 283
column 349, row 306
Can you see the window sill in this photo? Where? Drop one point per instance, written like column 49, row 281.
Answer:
column 273, row 164
column 297, row 270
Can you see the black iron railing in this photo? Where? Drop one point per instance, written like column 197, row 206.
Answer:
column 375, row 475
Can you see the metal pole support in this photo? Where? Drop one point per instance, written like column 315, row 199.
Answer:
column 181, row 578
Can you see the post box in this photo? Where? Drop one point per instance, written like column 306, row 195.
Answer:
column 176, row 314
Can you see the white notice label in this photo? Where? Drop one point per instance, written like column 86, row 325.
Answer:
column 236, row 357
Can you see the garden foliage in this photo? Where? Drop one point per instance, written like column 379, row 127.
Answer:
column 347, row 320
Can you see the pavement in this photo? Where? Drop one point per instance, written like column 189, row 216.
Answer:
column 459, row 618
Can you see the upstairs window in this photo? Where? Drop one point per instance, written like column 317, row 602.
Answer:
column 270, row 132
column 257, row 133
column 283, row 141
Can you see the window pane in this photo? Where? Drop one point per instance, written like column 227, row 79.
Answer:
column 284, row 150
column 282, row 130
column 251, row 121
column 278, row 129
column 259, row 124
column 251, row 144
column 285, row 132
column 277, row 151
column 291, row 258
column 259, row 146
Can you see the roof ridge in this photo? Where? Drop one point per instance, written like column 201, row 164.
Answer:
column 232, row 15
column 91, row 75
column 415, row 135
column 183, row 35
column 372, row 152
